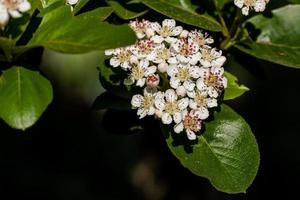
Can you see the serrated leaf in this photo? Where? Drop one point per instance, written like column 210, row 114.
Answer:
column 24, row 96
column 226, row 153
column 63, row 32
column 123, row 12
column 182, row 14
column 233, row 89
column 279, row 38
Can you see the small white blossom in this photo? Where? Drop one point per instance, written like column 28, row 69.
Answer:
column 121, row 57
column 200, row 100
column 202, row 40
column 171, row 107
column 13, row 8
column 167, row 31
column 191, row 123
column 72, row 2
column 185, row 51
column 210, row 57
column 143, row 49
column 139, row 73
column 144, row 104
column 247, row 5
column 142, row 28
column 212, row 80
column 183, row 74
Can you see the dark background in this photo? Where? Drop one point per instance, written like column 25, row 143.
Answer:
column 76, row 153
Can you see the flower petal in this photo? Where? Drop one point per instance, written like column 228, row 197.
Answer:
column 170, row 95
column 166, row 118
column 183, row 103
column 178, row 128
column 177, row 117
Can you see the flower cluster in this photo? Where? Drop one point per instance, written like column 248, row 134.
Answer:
column 180, row 73
column 12, row 8
column 246, row 5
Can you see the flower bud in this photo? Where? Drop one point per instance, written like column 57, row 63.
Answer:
column 153, row 80
column 163, row 67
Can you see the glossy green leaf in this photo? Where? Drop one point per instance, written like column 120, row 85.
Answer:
column 182, row 14
column 79, row 5
column 233, row 89
column 123, row 12
column 6, row 48
column 24, row 96
column 109, row 101
column 279, row 38
column 63, row 32
column 226, row 153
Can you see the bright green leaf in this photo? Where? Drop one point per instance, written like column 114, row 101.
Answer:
column 279, row 38
column 182, row 14
column 24, row 96
column 123, row 12
column 233, row 89
column 63, row 32
column 226, row 153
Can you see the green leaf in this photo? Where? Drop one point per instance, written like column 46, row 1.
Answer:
column 24, row 96
column 123, row 12
column 109, row 101
column 63, row 32
column 233, row 89
column 182, row 14
column 226, row 153
column 6, row 47
column 279, row 38
column 79, row 5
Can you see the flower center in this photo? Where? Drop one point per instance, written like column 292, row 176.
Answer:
column 200, row 100
column 165, row 31
column 206, row 55
column 124, row 56
column 171, row 107
column 192, row 123
column 148, row 101
column 137, row 72
column 183, row 74
column 145, row 46
column 213, row 80
column 164, row 54
column 186, row 48
column 249, row 3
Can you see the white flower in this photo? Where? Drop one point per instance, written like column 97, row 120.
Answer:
column 142, row 28
column 145, row 104
column 139, row 73
column 160, row 55
column 201, row 101
column 191, row 123
column 212, row 80
column 185, row 51
column 246, row 5
column 72, row 2
column 143, row 49
column 183, row 75
column 167, row 31
column 210, row 57
column 121, row 57
column 200, row 39
column 13, row 8
column 171, row 107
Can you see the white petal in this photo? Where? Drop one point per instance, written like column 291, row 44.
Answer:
column 193, row 104
column 151, row 111
column 178, row 128
column 239, row 3
column 194, row 72
column 144, row 63
column 202, row 113
column 177, row 30
column 191, row 94
column 189, row 85
column 25, row 6
column 205, row 63
column 172, row 70
column 201, row 85
column 137, row 100
column 150, row 70
column 14, row 13
column 157, row 39
column 172, row 60
column 114, row 62
column 183, row 103
column 142, row 112
column 212, row 92
column 219, row 61
column 155, row 26
column 174, row 82
column 166, row 118
column 245, row 11
column 211, row 102
column 170, row 95
column 4, row 16
column 141, row 82
column 183, row 59
column 107, row 52
column 181, row 91
column 159, row 104
column 177, row 117
column 169, row 23
column 195, row 58
column 191, row 135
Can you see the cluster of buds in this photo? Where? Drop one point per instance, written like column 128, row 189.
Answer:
column 12, row 8
column 246, row 5
column 180, row 74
